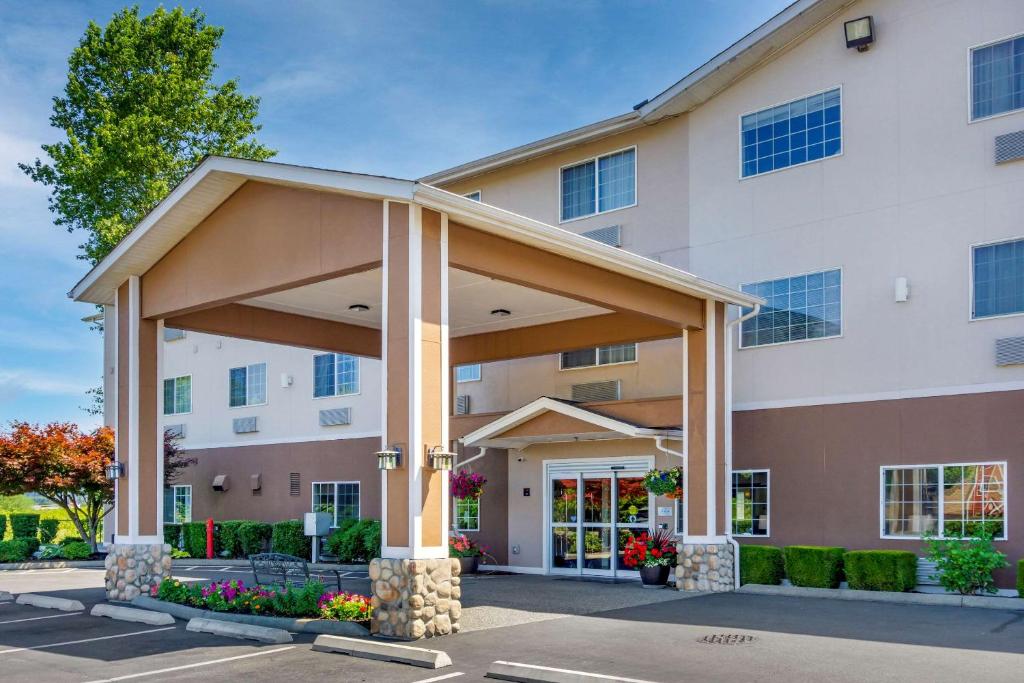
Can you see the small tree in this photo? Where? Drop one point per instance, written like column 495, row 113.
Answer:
column 965, row 565
column 64, row 465
column 175, row 459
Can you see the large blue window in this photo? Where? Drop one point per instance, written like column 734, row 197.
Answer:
column 597, row 185
column 794, row 133
column 802, row 307
column 335, row 374
column 998, row 279
column 997, row 78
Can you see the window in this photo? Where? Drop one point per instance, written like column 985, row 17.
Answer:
column 603, row 355
column 335, row 374
column 598, row 185
column 338, row 498
column 790, row 134
column 997, row 279
column 182, row 510
column 960, row 499
column 467, row 514
column 750, row 503
column 997, row 78
column 476, row 196
column 178, row 395
column 467, row 373
column 798, row 308
column 247, row 385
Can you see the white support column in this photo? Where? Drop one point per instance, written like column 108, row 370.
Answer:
column 712, row 417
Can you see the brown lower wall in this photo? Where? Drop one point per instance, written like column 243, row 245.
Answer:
column 825, row 460
column 493, row 534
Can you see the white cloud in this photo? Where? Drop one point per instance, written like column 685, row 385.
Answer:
column 16, row 383
column 13, row 150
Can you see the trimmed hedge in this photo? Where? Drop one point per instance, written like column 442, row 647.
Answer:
column 289, row 538
column 194, row 535
column 761, row 564
column 48, row 530
column 229, row 539
column 881, row 570
column 814, row 566
column 254, row 537
column 1020, row 578
column 18, row 549
column 3, row 526
column 70, row 539
column 78, row 550
column 25, row 524
column 172, row 535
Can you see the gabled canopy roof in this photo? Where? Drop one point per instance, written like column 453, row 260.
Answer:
column 548, row 420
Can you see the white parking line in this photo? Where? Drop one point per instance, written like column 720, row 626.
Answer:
column 441, row 678
column 85, row 640
column 49, row 616
column 193, row 666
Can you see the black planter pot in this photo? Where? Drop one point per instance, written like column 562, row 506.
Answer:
column 655, row 577
column 469, row 564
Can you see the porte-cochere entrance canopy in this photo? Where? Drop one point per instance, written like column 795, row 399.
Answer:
column 391, row 269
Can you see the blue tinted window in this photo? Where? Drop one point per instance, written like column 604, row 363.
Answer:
column 803, row 130
column 999, row 279
column 802, row 307
column 997, row 78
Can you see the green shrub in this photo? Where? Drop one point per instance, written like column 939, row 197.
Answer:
column 1020, row 578
column 194, row 535
column 253, row 537
column 356, row 540
column 3, row 526
column 48, row 530
column 881, row 570
column 371, row 539
column 17, row 549
column 761, row 564
column 965, row 566
column 70, row 539
column 814, row 566
column 172, row 534
column 298, row 602
column 290, row 539
column 25, row 525
column 78, row 550
column 48, row 551
column 230, row 542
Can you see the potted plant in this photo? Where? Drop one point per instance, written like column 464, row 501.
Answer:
column 468, row 552
column 668, row 483
column 653, row 555
column 467, row 484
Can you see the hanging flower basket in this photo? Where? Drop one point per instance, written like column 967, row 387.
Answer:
column 467, row 484
column 668, row 483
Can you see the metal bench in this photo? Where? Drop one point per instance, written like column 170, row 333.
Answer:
column 284, row 569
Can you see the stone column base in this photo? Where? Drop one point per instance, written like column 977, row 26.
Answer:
column 705, row 567
column 415, row 599
column 133, row 570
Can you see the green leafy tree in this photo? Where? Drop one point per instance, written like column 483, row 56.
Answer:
column 139, row 111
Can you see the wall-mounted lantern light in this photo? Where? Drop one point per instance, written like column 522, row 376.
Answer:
column 860, row 33
column 389, row 458
column 439, row 459
column 114, row 470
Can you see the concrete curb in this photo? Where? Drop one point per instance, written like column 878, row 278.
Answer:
column 243, row 631
column 49, row 602
column 946, row 600
column 128, row 614
column 76, row 564
column 5, row 596
column 339, row 628
column 529, row 673
column 387, row 652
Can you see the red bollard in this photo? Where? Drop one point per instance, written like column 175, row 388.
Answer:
column 209, row 538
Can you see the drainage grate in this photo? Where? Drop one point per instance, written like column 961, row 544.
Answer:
column 726, row 639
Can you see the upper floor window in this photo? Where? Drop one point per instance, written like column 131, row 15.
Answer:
column 468, row 373
column 598, row 185
column 750, row 503
column 947, row 500
column 178, row 395
column 476, row 196
column 335, row 374
column 794, row 133
column 997, row 78
column 247, row 385
column 801, row 307
column 602, row 355
column 997, row 283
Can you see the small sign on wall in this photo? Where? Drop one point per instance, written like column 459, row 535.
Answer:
column 664, row 511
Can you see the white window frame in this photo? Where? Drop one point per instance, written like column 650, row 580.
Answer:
column 842, row 309
column 174, row 503
column 455, row 516
column 266, row 385
column 842, row 133
column 334, row 483
column 597, row 356
column 477, row 378
column 191, row 405
column 597, row 184
column 478, row 198
column 970, row 81
column 312, row 375
column 767, row 502
column 970, row 277
column 941, row 521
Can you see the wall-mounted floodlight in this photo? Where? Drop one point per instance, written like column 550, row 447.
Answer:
column 860, row 33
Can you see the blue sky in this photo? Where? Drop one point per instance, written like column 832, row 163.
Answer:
column 396, row 88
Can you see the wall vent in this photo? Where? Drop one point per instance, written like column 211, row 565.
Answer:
column 171, row 334
column 294, row 484
column 245, row 425
column 462, row 405
column 1010, row 351
column 174, row 431
column 335, row 417
column 926, row 569
column 1010, row 147
column 612, row 235
column 597, row 391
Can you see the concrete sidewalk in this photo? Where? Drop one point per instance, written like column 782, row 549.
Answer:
column 940, row 599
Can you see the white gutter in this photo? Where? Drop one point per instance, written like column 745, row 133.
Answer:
column 728, row 442
column 482, row 453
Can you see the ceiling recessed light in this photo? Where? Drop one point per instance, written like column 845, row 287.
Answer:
column 501, row 312
column 358, row 308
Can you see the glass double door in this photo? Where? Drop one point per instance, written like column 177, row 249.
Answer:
column 592, row 515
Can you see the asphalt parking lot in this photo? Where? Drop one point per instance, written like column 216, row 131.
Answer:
column 794, row 639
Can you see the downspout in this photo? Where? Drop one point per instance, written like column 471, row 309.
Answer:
column 728, row 443
column 482, row 453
